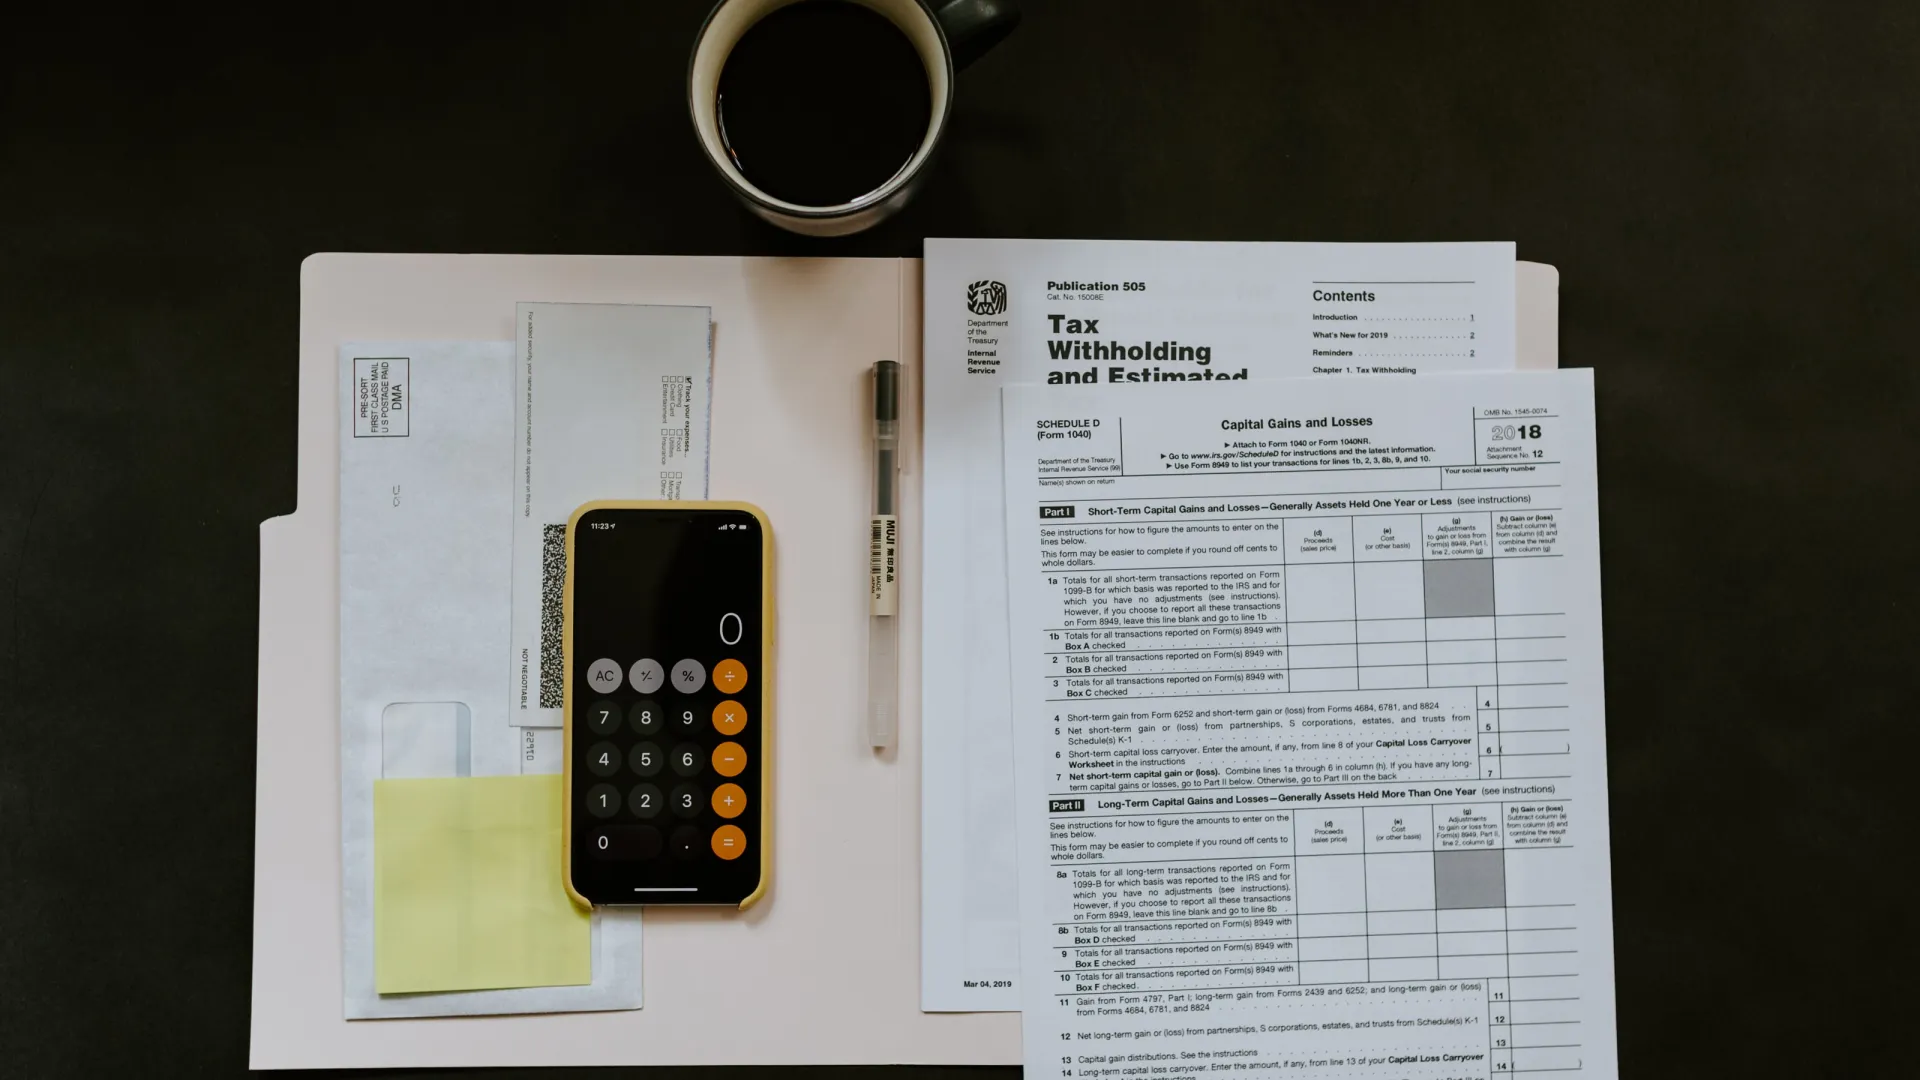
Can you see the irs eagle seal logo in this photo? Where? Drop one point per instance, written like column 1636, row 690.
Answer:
column 987, row 298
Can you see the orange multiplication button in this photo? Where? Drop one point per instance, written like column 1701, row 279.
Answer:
column 729, row 801
column 729, row 842
column 729, row 758
column 729, row 676
column 729, row 717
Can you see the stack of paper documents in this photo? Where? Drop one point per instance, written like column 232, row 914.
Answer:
column 1278, row 698
column 1177, row 321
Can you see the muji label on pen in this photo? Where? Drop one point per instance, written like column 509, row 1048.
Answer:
column 883, row 565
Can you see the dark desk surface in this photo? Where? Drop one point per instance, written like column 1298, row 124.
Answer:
column 1729, row 195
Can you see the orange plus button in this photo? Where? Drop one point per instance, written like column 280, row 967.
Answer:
column 729, row 718
column 729, row 676
column 729, row 842
column 729, row 801
column 728, row 759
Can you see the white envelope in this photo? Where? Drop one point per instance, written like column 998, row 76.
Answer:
column 426, row 453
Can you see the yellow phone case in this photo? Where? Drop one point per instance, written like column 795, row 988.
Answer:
column 766, row 663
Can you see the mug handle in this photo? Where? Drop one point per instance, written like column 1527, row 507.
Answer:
column 975, row 26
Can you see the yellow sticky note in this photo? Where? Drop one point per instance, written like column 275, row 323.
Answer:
column 466, row 882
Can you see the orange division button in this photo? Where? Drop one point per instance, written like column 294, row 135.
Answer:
column 729, row 676
column 729, row 758
column 729, row 801
column 729, row 842
column 729, row 718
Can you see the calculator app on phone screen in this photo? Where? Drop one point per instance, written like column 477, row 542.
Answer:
column 667, row 648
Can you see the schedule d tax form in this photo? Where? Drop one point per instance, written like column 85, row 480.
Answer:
column 1308, row 729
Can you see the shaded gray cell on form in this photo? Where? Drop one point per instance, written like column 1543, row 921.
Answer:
column 1456, row 588
column 1469, row 879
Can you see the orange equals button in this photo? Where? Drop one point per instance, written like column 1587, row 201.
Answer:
column 729, row 842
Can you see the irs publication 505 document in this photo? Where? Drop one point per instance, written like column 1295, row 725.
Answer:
column 1308, row 729
column 1188, row 320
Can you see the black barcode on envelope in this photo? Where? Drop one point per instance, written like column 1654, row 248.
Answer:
column 553, row 582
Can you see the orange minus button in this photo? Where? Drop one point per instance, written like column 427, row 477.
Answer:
column 729, row 842
column 729, row 718
column 729, row 676
column 728, row 759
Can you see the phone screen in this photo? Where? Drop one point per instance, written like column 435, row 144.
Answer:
column 666, row 715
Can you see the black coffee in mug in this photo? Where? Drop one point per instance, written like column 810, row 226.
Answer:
column 822, row 115
column 823, row 101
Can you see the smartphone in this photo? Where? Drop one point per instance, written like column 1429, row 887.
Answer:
column 668, row 650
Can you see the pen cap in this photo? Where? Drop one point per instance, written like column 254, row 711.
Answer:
column 886, row 391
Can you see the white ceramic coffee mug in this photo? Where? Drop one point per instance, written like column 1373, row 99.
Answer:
column 947, row 36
